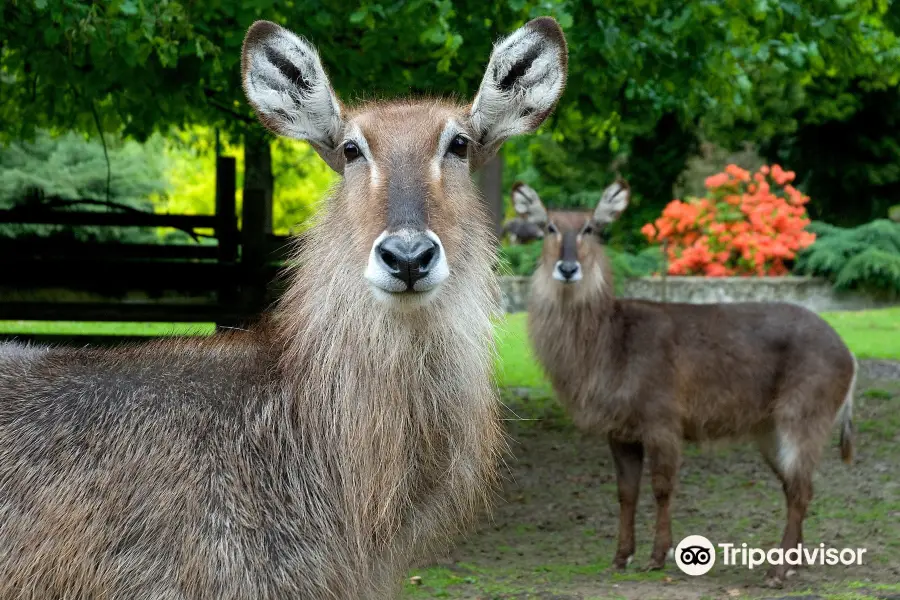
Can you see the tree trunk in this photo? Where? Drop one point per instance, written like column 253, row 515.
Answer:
column 258, row 174
column 256, row 214
column 490, row 181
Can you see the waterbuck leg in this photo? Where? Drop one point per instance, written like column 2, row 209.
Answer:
column 664, row 462
column 797, row 486
column 629, row 461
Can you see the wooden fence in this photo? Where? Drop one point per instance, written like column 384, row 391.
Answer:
column 227, row 282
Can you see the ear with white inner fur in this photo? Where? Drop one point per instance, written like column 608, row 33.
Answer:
column 613, row 201
column 286, row 84
column 523, row 82
column 528, row 205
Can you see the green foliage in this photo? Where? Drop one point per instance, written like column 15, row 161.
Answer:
column 629, row 266
column 854, row 156
column 646, row 79
column 174, row 175
column 144, row 66
column 79, row 64
column 72, row 167
column 520, row 259
column 865, row 258
column 301, row 177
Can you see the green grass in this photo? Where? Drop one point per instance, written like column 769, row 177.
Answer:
column 103, row 328
column 516, row 364
column 870, row 334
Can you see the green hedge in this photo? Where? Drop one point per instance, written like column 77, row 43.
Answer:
column 864, row 258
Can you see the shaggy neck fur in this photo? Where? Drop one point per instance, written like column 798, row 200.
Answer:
column 573, row 331
column 399, row 406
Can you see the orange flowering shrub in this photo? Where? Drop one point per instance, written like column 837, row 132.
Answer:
column 746, row 225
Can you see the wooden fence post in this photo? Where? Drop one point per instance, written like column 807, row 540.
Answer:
column 254, row 248
column 226, row 208
column 227, row 234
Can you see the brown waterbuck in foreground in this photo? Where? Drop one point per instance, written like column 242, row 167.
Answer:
column 649, row 375
column 316, row 455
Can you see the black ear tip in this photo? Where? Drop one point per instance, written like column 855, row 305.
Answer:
column 259, row 31
column 548, row 27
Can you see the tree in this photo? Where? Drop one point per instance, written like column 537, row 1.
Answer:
column 850, row 166
column 135, row 68
column 649, row 78
column 646, row 79
column 58, row 170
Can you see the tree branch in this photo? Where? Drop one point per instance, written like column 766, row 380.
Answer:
column 225, row 109
column 105, row 150
column 62, row 203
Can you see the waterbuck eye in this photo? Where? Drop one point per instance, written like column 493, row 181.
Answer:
column 588, row 230
column 552, row 228
column 459, row 146
column 351, row 151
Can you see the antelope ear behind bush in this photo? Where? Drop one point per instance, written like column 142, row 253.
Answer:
column 320, row 452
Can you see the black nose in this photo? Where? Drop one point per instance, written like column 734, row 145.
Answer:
column 568, row 268
column 409, row 260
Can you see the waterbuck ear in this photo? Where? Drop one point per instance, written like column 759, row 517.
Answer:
column 286, row 84
column 524, row 79
column 612, row 203
column 528, row 205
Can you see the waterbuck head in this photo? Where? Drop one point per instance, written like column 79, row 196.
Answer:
column 407, row 192
column 573, row 246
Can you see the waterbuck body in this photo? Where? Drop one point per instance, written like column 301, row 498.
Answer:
column 318, row 453
column 651, row 375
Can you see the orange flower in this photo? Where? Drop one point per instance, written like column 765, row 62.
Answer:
column 717, row 270
column 737, row 172
column 707, row 236
column 716, row 181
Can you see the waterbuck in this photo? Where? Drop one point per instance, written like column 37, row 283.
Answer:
column 651, row 375
column 317, row 454
column 522, row 229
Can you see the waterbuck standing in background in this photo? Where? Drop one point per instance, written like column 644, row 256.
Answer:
column 314, row 456
column 523, row 228
column 649, row 375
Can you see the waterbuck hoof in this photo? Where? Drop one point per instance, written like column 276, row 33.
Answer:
column 621, row 562
column 656, row 564
column 775, row 580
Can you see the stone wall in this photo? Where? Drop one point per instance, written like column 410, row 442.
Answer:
column 811, row 292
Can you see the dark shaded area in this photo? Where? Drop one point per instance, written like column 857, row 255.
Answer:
column 849, row 168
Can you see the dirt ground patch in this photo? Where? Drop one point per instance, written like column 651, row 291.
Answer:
column 553, row 530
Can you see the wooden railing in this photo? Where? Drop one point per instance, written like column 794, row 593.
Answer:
column 227, row 281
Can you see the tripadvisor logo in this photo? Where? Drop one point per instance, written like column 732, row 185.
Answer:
column 696, row 555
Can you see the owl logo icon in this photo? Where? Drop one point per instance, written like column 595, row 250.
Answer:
column 695, row 555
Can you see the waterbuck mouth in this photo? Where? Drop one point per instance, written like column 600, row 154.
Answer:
column 407, row 266
column 567, row 271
